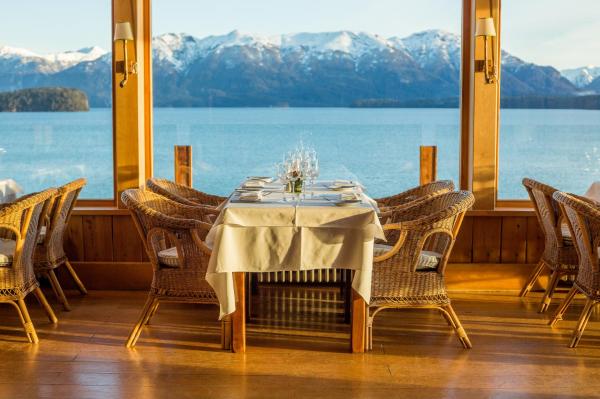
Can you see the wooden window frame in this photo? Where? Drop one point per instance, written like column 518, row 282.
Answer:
column 479, row 110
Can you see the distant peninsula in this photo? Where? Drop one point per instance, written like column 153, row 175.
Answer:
column 44, row 99
column 589, row 102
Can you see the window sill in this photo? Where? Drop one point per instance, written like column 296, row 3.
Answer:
column 99, row 210
column 502, row 211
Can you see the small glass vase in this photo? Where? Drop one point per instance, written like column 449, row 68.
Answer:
column 298, row 186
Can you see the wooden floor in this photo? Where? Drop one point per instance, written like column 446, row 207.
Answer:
column 297, row 349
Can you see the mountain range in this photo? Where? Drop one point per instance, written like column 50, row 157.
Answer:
column 303, row 69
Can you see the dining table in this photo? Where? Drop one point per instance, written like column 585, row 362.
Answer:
column 263, row 228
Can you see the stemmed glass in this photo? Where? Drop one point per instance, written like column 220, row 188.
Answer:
column 293, row 172
column 313, row 173
column 282, row 174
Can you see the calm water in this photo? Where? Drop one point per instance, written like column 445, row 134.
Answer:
column 379, row 147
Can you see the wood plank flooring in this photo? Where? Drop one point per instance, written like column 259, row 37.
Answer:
column 297, row 348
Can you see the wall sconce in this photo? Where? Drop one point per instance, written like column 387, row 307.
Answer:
column 485, row 27
column 124, row 33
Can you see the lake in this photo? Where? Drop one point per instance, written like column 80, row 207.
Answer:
column 379, row 147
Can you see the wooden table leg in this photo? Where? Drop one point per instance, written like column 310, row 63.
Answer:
column 359, row 323
column 238, row 319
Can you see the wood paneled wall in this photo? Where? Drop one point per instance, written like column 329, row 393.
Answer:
column 498, row 240
column 494, row 250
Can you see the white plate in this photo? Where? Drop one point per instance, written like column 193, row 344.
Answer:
column 348, row 203
column 339, row 187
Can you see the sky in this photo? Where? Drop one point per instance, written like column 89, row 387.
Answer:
column 560, row 33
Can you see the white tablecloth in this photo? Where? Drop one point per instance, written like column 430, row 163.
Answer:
column 277, row 235
column 9, row 190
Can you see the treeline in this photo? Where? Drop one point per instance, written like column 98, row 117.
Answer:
column 591, row 102
column 44, row 99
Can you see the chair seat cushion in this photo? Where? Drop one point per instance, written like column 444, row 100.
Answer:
column 7, row 250
column 428, row 260
column 388, row 287
column 168, row 257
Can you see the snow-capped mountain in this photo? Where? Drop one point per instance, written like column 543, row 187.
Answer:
column 582, row 77
column 50, row 63
column 301, row 69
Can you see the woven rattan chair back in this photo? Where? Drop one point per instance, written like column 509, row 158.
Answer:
column 549, row 216
column 50, row 253
column 163, row 224
column 397, row 280
column 432, row 224
column 20, row 221
column 583, row 217
column 559, row 253
column 584, row 221
column 416, row 193
column 51, row 250
column 167, row 226
column 182, row 194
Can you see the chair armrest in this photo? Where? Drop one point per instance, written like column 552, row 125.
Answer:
column 397, row 245
column 201, row 213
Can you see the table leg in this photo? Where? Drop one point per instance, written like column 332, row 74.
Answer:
column 238, row 318
column 359, row 323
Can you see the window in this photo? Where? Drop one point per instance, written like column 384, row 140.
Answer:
column 550, row 117
column 365, row 84
column 64, row 72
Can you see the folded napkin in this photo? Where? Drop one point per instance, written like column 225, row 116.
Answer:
column 253, row 184
column 265, row 179
column 350, row 197
column 251, row 196
column 347, row 184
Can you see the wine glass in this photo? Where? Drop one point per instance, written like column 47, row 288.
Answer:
column 314, row 172
column 282, row 175
column 293, row 173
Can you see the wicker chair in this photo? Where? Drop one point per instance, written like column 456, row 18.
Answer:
column 559, row 255
column 406, row 276
column 183, row 194
column 20, row 226
column 50, row 253
column 173, row 236
column 584, row 222
column 416, row 193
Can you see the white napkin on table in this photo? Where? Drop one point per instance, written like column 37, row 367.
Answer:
column 253, row 184
column 261, row 178
column 349, row 197
column 251, row 196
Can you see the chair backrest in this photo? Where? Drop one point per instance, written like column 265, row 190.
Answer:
column 436, row 222
column 583, row 216
column 419, row 192
column 21, row 220
column 163, row 223
column 182, row 194
column 57, row 220
column 549, row 216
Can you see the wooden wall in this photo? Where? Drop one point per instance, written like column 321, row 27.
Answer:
column 498, row 239
column 106, row 250
column 494, row 250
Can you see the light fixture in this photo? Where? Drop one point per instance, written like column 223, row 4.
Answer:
column 485, row 27
column 124, row 33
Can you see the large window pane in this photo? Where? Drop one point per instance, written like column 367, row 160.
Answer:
column 545, row 67
column 42, row 149
column 365, row 84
